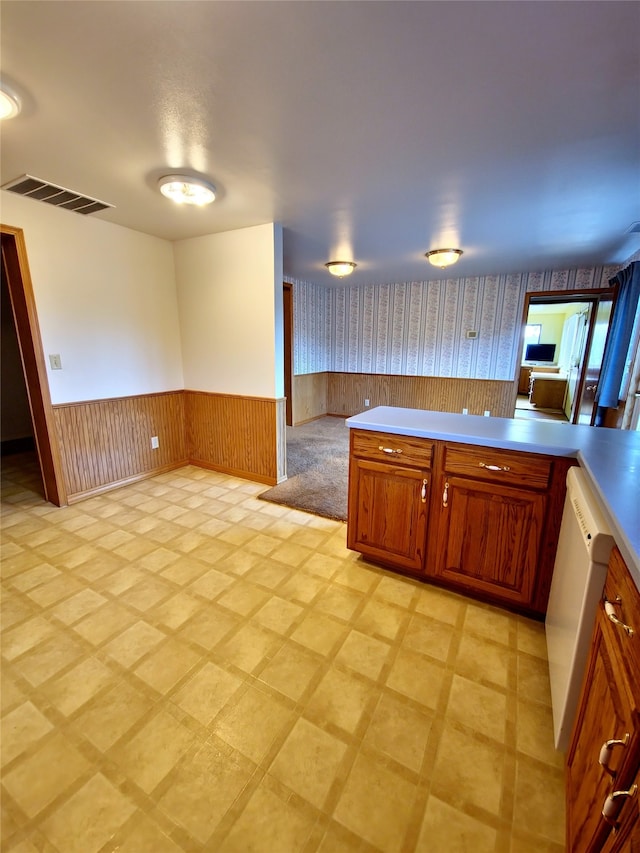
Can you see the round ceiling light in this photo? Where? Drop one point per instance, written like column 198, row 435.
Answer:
column 443, row 257
column 185, row 189
column 10, row 104
column 340, row 268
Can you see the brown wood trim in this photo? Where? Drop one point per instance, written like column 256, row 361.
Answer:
column 108, row 487
column 15, row 266
column 82, row 403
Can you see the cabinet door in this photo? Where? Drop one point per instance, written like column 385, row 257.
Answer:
column 607, row 712
column 388, row 510
column 488, row 538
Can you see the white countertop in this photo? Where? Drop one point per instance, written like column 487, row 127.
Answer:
column 611, row 457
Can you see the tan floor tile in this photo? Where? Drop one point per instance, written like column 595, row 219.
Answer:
column 468, row 771
column 483, row 661
column 396, row 590
column 204, row 788
column 267, row 573
column 104, row 623
column 248, row 647
column 120, row 581
column 89, row 818
column 319, row 633
column 533, row 679
column 278, row 614
column 76, row 687
column 339, row 602
column 538, row 809
column 416, row 677
column 79, row 605
column 211, row 584
column 209, row 626
column 269, row 824
column 489, row 622
column 48, row 658
column 340, row 700
column 14, row 611
column 252, row 723
column 243, row 598
column 521, row 842
column 133, row 643
column 448, row 829
column 10, row 693
column 291, row 671
column 156, row 561
column 291, row 554
column 309, row 762
column 380, row 619
column 428, row 637
column 337, row 837
column 37, row 780
column 21, row 728
column 376, row 803
column 534, row 733
column 146, row 837
column 207, row 692
column 399, row 731
column 364, row 654
column 106, row 722
column 146, row 594
column 175, row 611
column 357, row 577
column 478, row 707
column 19, row 640
column 302, row 587
column 34, row 577
column 163, row 669
column 184, row 571
column 532, row 638
column 324, row 566
column 154, row 750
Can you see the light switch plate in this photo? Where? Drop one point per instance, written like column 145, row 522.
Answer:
column 56, row 362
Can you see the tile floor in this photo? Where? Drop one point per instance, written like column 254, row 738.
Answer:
column 188, row 668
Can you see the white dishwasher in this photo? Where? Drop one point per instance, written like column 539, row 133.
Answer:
column 584, row 545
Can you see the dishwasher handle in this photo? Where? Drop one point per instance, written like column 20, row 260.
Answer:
column 610, row 610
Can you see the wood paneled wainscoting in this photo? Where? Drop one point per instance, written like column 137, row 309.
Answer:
column 106, row 443
column 346, row 393
column 309, row 397
column 243, row 436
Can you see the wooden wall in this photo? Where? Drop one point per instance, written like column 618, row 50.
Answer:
column 346, row 393
column 309, row 397
column 237, row 435
column 106, row 443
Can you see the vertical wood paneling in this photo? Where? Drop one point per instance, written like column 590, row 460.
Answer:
column 237, row 435
column 104, row 443
column 309, row 397
column 346, row 393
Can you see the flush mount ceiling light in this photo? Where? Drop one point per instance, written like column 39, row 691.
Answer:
column 443, row 257
column 185, row 189
column 10, row 104
column 340, row 268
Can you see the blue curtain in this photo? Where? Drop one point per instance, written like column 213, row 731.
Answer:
column 617, row 347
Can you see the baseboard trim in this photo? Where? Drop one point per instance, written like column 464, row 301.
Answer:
column 108, row 487
column 234, row 472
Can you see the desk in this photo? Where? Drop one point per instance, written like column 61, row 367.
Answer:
column 547, row 390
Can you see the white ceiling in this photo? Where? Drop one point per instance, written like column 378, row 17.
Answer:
column 372, row 131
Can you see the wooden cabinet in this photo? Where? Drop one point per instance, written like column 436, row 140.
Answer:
column 389, row 489
column 480, row 520
column 603, row 758
column 491, row 522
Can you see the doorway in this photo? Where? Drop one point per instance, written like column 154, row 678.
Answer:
column 562, row 346
column 287, row 305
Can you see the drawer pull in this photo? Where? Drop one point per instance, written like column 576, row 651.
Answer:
column 611, row 809
column 389, row 449
column 494, row 467
column 610, row 610
column 445, row 494
column 423, row 491
column 607, row 748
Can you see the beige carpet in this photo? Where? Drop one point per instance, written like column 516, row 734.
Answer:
column 317, row 469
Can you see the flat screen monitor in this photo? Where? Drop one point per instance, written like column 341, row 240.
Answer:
column 540, row 352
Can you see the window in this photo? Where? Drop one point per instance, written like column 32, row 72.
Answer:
column 532, row 333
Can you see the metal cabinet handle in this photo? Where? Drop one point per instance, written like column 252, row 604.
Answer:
column 607, row 748
column 610, row 610
column 445, row 494
column 389, row 449
column 423, row 491
column 494, row 467
column 611, row 810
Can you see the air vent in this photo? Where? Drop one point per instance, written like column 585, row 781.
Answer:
column 634, row 228
column 41, row 190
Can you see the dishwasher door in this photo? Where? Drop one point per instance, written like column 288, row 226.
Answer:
column 584, row 545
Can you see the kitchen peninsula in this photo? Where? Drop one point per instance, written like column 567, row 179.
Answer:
column 440, row 446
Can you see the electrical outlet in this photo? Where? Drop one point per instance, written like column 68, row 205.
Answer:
column 366, row 402
column 465, row 411
column 487, row 413
column 56, row 362
column 155, row 444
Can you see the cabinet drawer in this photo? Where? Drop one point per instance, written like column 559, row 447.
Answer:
column 621, row 591
column 525, row 470
column 385, row 447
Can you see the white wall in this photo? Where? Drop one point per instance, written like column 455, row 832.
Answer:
column 230, row 303
column 106, row 302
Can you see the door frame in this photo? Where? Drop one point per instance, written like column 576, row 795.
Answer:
column 15, row 266
column 548, row 297
column 287, row 308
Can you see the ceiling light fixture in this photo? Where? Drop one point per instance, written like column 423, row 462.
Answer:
column 443, row 257
column 340, row 268
column 185, row 189
column 10, row 104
